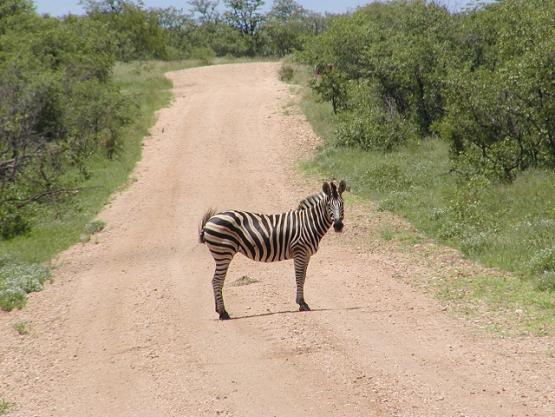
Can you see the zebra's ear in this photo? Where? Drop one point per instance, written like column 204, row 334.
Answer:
column 342, row 187
column 326, row 189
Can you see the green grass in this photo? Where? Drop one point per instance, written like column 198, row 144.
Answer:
column 506, row 226
column 57, row 227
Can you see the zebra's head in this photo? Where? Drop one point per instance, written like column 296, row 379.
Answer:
column 334, row 203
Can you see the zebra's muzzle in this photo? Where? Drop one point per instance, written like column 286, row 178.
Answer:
column 338, row 226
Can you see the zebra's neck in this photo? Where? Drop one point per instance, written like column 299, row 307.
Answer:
column 319, row 220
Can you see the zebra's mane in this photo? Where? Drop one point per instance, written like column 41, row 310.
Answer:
column 311, row 201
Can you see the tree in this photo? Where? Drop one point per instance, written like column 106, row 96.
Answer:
column 105, row 6
column 138, row 32
column 285, row 10
column 244, row 15
column 205, row 11
column 14, row 12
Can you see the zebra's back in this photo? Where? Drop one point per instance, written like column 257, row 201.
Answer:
column 264, row 238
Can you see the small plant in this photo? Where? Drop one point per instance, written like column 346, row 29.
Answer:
column 286, row 73
column 90, row 229
column 95, row 227
column 244, row 280
column 21, row 328
column 4, row 406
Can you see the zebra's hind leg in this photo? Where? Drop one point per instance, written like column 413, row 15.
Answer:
column 222, row 264
column 301, row 264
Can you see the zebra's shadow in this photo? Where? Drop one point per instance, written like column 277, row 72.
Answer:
column 314, row 310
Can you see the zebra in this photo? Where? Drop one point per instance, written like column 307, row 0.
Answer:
column 311, row 200
column 293, row 235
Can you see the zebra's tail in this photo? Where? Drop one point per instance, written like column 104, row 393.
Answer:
column 205, row 218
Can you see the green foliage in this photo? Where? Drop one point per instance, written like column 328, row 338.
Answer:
column 94, row 227
column 286, row 28
column 368, row 124
column 170, row 33
column 500, row 109
column 204, row 54
column 136, row 31
column 543, row 262
column 16, row 280
column 244, row 15
column 286, row 73
column 399, row 47
column 57, row 226
column 482, row 80
column 331, row 85
column 221, row 39
column 58, row 109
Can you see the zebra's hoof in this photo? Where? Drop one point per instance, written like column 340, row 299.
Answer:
column 304, row 307
column 224, row 316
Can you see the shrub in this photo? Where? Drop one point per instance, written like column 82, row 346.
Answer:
column 543, row 262
column 16, row 280
column 203, row 54
column 286, row 73
column 546, row 281
column 370, row 123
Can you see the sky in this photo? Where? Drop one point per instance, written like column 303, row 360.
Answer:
column 62, row 7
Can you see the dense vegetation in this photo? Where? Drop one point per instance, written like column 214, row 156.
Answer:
column 482, row 80
column 204, row 31
column 448, row 119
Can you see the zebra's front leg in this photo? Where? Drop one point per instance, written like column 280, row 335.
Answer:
column 301, row 264
column 217, row 284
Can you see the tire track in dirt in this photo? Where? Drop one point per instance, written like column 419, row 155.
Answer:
column 128, row 327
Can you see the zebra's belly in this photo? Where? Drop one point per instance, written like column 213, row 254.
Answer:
column 268, row 254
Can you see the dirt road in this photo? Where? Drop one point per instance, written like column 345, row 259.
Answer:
column 128, row 329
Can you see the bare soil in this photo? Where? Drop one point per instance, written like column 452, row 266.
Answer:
column 128, row 326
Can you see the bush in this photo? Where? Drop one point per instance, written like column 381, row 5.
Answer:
column 286, row 73
column 16, row 280
column 137, row 32
column 203, row 54
column 543, row 261
column 369, row 123
column 400, row 48
column 546, row 281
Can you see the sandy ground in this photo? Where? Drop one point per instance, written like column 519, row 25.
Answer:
column 127, row 328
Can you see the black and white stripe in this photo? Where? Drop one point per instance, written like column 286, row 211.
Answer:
column 270, row 238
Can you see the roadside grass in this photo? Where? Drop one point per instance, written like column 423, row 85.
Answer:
column 58, row 226
column 506, row 226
